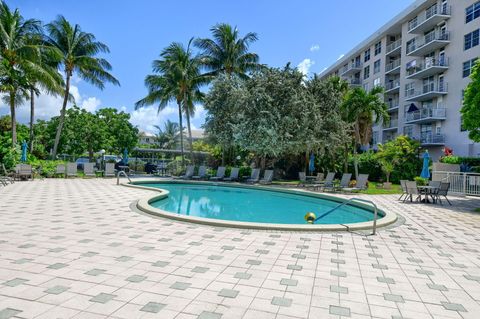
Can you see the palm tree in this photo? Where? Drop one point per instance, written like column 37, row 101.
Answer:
column 178, row 78
column 21, row 60
column 79, row 52
column 168, row 136
column 361, row 108
column 227, row 52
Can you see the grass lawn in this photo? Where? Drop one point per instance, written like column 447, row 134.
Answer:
column 477, row 210
column 373, row 190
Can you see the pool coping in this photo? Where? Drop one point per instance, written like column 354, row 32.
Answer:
column 144, row 205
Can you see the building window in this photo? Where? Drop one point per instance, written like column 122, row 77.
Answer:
column 366, row 57
column 366, row 72
column 467, row 67
column 377, row 82
column 409, row 89
column 378, row 48
column 408, row 131
column 472, row 39
column 411, row 45
column 376, row 67
column 472, row 12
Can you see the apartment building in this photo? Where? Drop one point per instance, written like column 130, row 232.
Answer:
column 423, row 59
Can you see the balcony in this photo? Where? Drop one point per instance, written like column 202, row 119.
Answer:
column 393, row 105
column 430, row 139
column 419, row 69
column 427, row 92
column 428, row 43
column 429, row 19
column 394, row 48
column 351, row 68
column 393, row 67
column 427, row 115
column 354, row 82
column 392, row 86
column 391, row 125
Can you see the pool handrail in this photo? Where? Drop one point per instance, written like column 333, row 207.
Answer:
column 124, row 174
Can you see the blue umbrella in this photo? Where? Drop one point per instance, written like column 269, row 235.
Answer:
column 24, row 152
column 311, row 164
column 426, row 162
column 125, row 156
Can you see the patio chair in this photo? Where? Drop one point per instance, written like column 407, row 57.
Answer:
column 412, row 190
column 267, row 177
column 403, row 186
column 233, row 175
column 344, row 182
column 202, row 173
column 23, row 171
column 188, row 173
column 6, row 176
column 254, row 177
column 435, row 184
column 327, row 182
column 60, row 170
column 361, row 184
column 88, row 169
column 302, row 177
column 71, row 170
column 109, row 170
column 220, row 174
column 442, row 191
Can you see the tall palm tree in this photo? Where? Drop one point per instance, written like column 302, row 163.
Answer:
column 227, row 52
column 79, row 52
column 178, row 78
column 21, row 60
column 362, row 108
column 169, row 135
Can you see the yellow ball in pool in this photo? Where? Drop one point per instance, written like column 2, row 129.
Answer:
column 310, row 217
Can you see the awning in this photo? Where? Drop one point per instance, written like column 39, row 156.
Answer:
column 412, row 108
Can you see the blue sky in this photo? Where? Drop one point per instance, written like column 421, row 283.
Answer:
column 136, row 32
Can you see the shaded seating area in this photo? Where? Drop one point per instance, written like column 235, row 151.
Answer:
column 233, row 175
column 431, row 193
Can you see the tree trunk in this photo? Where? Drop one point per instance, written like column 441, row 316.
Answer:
column 62, row 116
column 90, row 154
column 355, row 157
column 14, row 120
column 223, row 155
column 345, row 165
column 190, row 140
column 32, row 116
column 181, row 131
column 307, row 164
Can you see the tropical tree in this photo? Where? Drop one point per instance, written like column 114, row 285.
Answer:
column 168, row 136
column 21, row 60
column 177, row 78
column 227, row 52
column 471, row 105
column 79, row 52
column 362, row 108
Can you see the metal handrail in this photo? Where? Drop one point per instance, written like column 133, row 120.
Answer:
column 355, row 199
column 124, row 174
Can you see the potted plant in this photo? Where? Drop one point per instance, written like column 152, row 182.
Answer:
column 387, row 168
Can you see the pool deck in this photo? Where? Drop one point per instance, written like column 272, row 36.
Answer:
column 74, row 249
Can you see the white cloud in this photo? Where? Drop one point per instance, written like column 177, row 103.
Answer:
column 341, row 56
column 305, row 65
column 146, row 118
column 314, row 48
column 90, row 104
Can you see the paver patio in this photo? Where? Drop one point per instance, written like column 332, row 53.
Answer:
column 75, row 249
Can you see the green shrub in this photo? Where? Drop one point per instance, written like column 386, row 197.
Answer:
column 245, row 171
column 47, row 167
column 421, row 181
column 470, row 161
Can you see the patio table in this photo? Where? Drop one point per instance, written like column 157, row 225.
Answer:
column 427, row 190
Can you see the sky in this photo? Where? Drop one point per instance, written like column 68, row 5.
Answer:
column 311, row 35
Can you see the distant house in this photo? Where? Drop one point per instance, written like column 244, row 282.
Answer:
column 146, row 138
column 197, row 135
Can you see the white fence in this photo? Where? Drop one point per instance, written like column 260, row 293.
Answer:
column 460, row 183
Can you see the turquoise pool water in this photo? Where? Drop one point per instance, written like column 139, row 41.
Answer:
column 252, row 205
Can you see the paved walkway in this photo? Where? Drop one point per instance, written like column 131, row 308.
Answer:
column 74, row 249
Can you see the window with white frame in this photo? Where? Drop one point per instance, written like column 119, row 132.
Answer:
column 378, row 47
column 366, row 72
column 376, row 67
column 366, row 56
column 467, row 67
column 472, row 12
column 471, row 39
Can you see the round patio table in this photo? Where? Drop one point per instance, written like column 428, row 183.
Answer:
column 427, row 190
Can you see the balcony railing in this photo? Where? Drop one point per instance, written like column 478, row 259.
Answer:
column 430, row 138
column 354, row 82
column 427, row 89
column 438, row 113
column 392, row 85
column 356, row 66
column 423, row 41
column 394, row 46
column 429, row 17
column 394, row 104
column 393, row 65
column 417, row 67
column 393, row 123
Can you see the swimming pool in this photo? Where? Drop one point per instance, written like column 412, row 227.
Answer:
column 252, row 204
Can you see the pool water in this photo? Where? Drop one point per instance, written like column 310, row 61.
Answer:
column 252, row 205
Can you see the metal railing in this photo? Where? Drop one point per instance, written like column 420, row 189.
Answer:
column 124, row 174
column 393, row 123
column 355, row 82
column 428, row 14
column 425, row 40
column 392, row 85
column 427, row 88
column 352, row 66
column 460, row 183
column 439, row 113
column 393, row 104
column 424, row 64
column 348, row 202
column 394, row 45
column 393, row 65
column 430, row 138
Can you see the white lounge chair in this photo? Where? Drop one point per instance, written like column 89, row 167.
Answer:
column 326, row 183
column 233, row 175
column 188, row 173
column 220, row 174
column 88, row 169
column 202, row 173
column 23, row 171
column 71, row 170
column 344, row 181
column 361, row 184
column 267, row 177
column 109, row 170
column 255, row 176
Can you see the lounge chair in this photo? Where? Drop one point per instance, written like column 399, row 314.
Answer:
column 442, row 191
column 412, row 191
column 202, row 173
column 71, row 170
column 326, row 183
column 188, row 173
column 403, row 186
column 302, row 177
column 267, row 177
column 254, row 177
column 361, row 184
column 23, row 171
column 344, row 181
column 88, row 169
column 6, row 177
column 220, row 174
column 233, row 175
column 109, row 170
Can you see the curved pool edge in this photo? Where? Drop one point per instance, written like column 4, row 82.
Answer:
column 143, row 204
